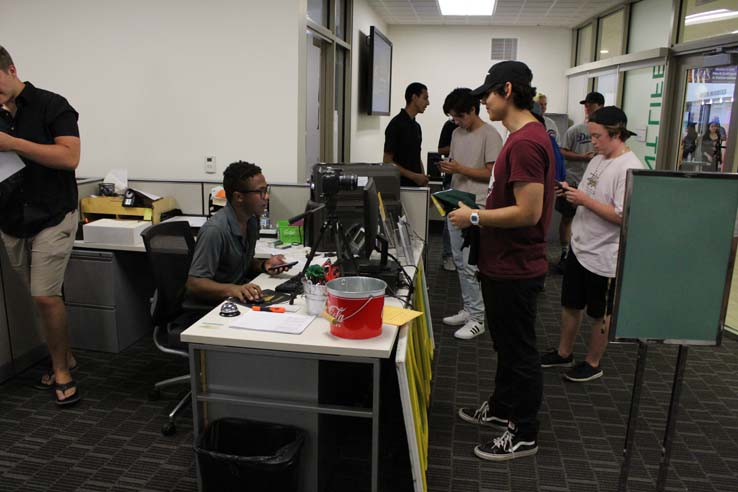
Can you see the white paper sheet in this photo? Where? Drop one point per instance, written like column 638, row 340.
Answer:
column 10, row 164
column 276, row 322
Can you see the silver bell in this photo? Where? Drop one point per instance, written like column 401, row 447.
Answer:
column 229, row 310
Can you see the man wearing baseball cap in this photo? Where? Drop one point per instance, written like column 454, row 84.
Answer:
column 512, row 261
column 577, row 150
column 589, row 279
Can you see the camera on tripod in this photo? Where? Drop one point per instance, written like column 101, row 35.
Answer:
column 332, row 180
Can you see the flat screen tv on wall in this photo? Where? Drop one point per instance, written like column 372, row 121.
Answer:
column 380, row 72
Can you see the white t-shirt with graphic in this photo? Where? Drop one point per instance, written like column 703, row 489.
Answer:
column 594, row 240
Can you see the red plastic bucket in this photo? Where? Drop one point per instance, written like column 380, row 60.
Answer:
column 356, row 304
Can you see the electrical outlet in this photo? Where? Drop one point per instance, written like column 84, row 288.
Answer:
column 210, row 167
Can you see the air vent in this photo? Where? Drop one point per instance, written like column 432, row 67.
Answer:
column 504, row 49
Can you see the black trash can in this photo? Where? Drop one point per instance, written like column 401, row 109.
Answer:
column 238, row 455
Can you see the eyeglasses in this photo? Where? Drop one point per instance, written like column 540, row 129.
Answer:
column 262, row 193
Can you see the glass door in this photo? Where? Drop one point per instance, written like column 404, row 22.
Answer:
column 706, row 116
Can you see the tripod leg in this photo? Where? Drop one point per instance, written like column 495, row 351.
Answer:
column 311, row 255
column 342, row 243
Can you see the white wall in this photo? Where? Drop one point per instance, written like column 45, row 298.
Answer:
column 446, row 57
column 367, row 132
column 160, row 84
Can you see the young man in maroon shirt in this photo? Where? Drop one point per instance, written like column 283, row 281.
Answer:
column 512, row 260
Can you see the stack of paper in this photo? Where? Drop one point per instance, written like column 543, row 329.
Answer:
column 291, row 323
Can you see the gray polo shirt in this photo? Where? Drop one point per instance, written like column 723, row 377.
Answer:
column 222, row 254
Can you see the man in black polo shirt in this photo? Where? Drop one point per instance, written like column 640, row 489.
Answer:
column 403, row 137
column 40, row 220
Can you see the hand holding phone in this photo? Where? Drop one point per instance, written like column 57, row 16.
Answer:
column 281, row 266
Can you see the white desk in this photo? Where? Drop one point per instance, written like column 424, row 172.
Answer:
column 276, row 377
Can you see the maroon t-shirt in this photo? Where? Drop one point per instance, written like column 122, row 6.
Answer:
column 520, row 253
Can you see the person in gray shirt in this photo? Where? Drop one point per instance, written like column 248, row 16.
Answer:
column 475, row 146
column 223, row 264
column 577, row 150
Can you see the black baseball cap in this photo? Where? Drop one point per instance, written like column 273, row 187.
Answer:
column 506, row 71
column 610, row 115
column 593, row 98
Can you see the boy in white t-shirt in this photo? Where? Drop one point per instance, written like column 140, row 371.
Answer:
column 589, row 278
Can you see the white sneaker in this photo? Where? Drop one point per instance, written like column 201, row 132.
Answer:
column 457, row 319
column 470, row 330
column 448, row 264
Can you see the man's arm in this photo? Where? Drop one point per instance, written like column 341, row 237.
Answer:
column 62, row 154
column 605, row 211
column 475, row 173
column 210, row 290
column 420, row 179
column 526, row 212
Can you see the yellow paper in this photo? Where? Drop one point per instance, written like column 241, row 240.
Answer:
column 390, row 315
column 147, row 214
column 382, row 212
column 398, row 316
column 439, row 207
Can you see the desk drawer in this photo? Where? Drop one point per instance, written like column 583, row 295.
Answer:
column 93, row 329
column 90, row 278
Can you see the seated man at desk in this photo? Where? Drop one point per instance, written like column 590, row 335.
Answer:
column 224, row 264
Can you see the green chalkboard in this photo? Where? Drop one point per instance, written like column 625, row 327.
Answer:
column 675, row 258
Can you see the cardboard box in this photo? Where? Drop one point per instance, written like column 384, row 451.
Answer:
column 111, row 231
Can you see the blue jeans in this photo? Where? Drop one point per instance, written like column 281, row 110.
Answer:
column 471, row 293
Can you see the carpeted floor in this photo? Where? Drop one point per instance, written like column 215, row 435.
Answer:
column 112, row 441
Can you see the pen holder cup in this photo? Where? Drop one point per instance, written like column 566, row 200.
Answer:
column 315, row 303
column 315, row 297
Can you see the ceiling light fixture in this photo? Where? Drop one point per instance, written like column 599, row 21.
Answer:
column 466, row 7
column 710, row 16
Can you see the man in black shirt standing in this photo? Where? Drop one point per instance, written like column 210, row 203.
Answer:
column 403, row 137
column 39, row 222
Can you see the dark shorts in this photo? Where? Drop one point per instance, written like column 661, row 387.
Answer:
column 582, row 288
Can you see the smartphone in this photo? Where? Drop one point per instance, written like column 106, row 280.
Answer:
column 282, row 265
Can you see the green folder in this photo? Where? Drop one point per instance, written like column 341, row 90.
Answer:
column 448, row 200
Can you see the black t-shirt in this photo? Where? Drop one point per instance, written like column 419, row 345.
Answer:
column 446, row 132
column 402, row 139
column 46, row 195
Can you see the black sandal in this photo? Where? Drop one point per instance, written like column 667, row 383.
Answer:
column 70, row 400
column 50, row 376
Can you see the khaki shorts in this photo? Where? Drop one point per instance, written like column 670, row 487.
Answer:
column 41, row 260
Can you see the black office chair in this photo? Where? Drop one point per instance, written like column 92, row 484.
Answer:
column 169, row 247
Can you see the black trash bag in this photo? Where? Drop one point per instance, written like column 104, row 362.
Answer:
column 246, row 455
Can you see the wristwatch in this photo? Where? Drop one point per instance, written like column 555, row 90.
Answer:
column 474, row 218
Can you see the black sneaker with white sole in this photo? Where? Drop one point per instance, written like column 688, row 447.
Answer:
column 482, row 416
column 553, row 359
column 506, row 447
column 583, row 372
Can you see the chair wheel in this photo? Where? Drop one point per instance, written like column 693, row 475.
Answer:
column 168, row 429
column 154, row 394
